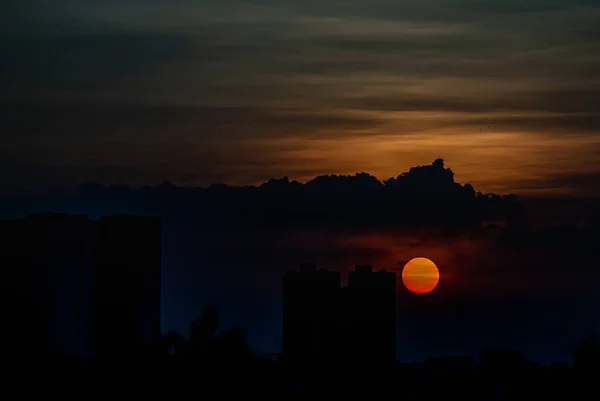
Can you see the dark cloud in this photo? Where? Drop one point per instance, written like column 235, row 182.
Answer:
column 103, row 119
column 428, row 9
column 85, row 62
column 561, row 102
column 586, row 184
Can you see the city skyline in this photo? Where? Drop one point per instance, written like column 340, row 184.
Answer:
column 323, row 321
column 501, row 263
column 326, row 316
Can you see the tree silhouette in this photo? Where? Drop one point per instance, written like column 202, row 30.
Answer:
column 203, row 329
column 586, row 356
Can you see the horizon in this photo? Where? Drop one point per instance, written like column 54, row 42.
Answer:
column 566, row 195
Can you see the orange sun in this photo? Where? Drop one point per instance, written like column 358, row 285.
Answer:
column 420, row 275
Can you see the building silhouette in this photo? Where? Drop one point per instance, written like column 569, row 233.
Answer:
column 371, row 313
column 126, row 284
column 323, row 321
column 55, row 275
column 45, row 261
column 310, row 313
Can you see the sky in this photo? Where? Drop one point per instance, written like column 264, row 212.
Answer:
column 199, row 91
column 541, row 300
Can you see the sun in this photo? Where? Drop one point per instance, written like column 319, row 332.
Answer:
column 420, row 275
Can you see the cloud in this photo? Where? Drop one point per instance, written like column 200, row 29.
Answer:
column 556, row 103
column 327, row 76
column 147, row 144
column 576, row 184
column 86, row 64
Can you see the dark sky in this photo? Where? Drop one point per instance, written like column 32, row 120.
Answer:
column 198, row 91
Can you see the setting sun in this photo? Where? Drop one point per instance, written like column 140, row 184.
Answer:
column 420, row 275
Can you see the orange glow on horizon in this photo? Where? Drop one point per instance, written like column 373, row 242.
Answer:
column 420, row 275
column 506, row 160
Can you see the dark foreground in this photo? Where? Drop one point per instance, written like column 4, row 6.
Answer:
column 495, row 375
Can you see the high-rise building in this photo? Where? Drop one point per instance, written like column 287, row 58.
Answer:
column 372, row 307
column 126, row 303
column 47, row 260
column 322, row 320
column 310, row 307
column 10, row 296
column 57, row 284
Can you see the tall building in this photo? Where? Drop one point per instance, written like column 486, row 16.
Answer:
column 11, row 298
column 322, row 320
column 372, row 307
column 310, row 307
column 55, row 273
column 46, row 258
column 126, row 295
